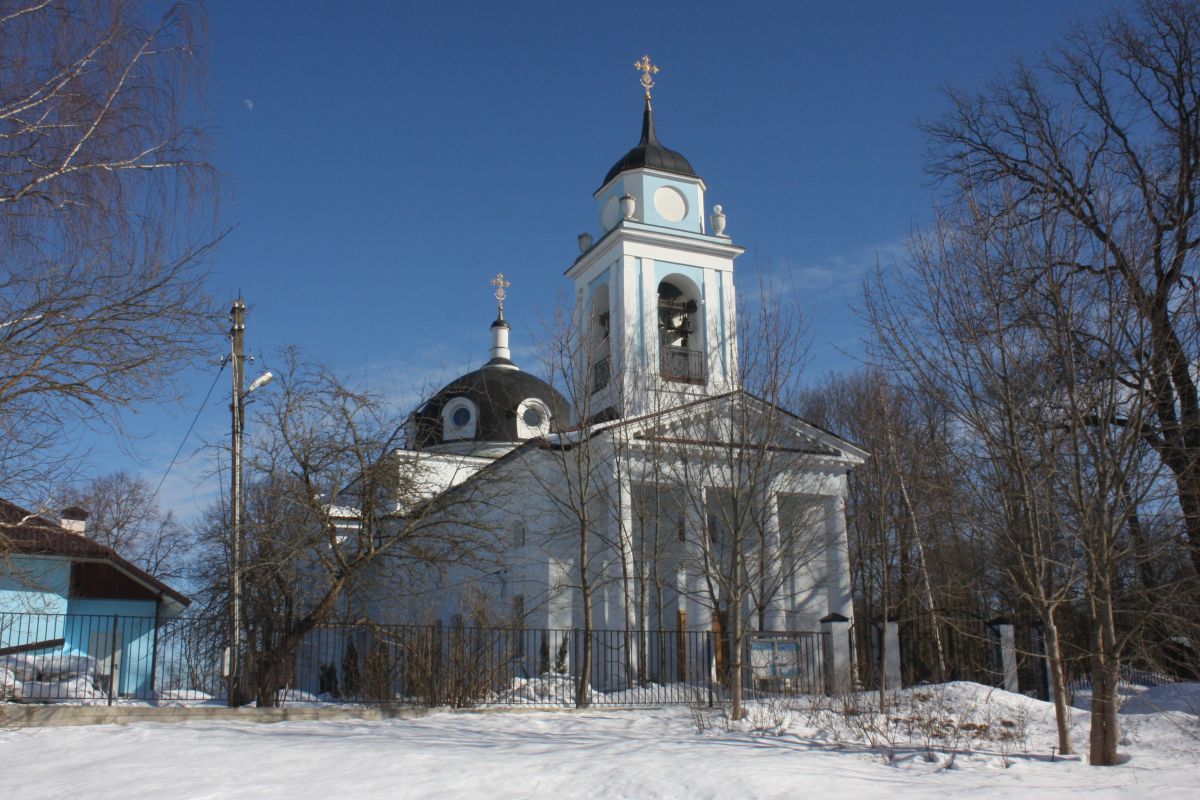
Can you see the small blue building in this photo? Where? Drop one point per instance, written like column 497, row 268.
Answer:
column 63, row 596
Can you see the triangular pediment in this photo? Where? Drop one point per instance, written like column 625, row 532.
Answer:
column 737, row 419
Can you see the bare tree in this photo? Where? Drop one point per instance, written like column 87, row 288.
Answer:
column 335, row 510
column 999, row 325
column 123, row 515
column 580, row 473
column 105, row 213
column 904, row 516
column 747, row 473
column 1105, row 132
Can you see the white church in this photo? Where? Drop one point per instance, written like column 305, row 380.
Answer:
column 652, row 491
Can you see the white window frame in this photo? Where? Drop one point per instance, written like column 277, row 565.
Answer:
column 452, row 432
column 528, row 431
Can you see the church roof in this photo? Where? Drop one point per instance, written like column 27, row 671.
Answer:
column 496, row 390
column 650, row 153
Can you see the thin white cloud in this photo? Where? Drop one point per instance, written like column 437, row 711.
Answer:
column 838, row 276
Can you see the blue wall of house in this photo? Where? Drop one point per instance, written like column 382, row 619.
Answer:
column 34, row 607
column 88, row 629
column 34, row 585
column 33, row 598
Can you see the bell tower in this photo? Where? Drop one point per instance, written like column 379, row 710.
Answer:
column 654, row 296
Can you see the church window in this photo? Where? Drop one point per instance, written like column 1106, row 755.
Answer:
column 459, row 419
column 533, row 419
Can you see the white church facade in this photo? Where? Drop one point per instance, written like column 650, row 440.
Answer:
column 650, row 491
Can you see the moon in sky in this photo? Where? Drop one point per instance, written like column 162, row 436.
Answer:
column 249, row 104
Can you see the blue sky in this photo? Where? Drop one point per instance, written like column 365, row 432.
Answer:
column 384, row 160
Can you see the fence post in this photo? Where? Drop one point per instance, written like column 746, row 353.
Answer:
column 708, row 664
column 891, row 654
column 154, row 654
column 1008, row 651
column 835, row 630
column 112, row 660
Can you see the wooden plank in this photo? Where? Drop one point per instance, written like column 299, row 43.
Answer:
column 48, row 644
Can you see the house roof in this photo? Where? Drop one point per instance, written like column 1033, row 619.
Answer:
column 24, row 533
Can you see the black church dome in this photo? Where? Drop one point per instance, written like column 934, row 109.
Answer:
column 496, row 403
column 651, row 154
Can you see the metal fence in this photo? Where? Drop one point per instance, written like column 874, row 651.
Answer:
column 106, row 659
column 101, row 658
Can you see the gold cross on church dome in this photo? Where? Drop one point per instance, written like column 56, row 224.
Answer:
column 501, row 284
column 647, row 69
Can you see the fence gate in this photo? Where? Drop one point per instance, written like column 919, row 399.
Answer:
column 105, row 647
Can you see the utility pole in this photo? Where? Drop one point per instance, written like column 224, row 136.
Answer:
column 235, row 661
column 237, row 335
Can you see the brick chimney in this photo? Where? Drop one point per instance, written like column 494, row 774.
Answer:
column 74, row 519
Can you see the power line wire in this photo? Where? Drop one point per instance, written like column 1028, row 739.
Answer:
column 191, row 427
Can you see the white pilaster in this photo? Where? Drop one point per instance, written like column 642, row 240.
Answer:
column 839, row 599
column 698, row 604
column 624, row 537
column 776, row 612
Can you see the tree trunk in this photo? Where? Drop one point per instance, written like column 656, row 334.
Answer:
column 1105, row 669
column 582, row 697
column 1058, row 684
column 1187, row 481
column 735, row 635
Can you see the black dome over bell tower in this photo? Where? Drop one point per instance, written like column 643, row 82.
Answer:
column 649, row 153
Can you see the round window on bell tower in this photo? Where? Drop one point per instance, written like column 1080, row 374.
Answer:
column 461, row 416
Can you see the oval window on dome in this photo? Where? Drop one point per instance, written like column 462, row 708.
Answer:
column 533, row 418
column 459, row 419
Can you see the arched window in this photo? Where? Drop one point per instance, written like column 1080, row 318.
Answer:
column 680, row 331
column 601, row 331
column 601, row 318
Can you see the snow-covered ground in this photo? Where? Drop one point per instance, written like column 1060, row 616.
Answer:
column 1002, row 743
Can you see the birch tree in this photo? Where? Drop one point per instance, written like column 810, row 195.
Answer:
column 106, row 200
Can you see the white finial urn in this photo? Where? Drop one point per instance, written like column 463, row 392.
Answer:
column 628, row 207
column 585, row 242
column 717, row 218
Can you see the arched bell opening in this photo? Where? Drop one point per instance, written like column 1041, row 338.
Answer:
column 680, row 331
column 599, row 339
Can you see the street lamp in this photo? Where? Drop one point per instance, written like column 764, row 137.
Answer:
column 237, row 408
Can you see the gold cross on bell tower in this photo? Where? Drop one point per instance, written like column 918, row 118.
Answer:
column 501, row 284
column 647, row 69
